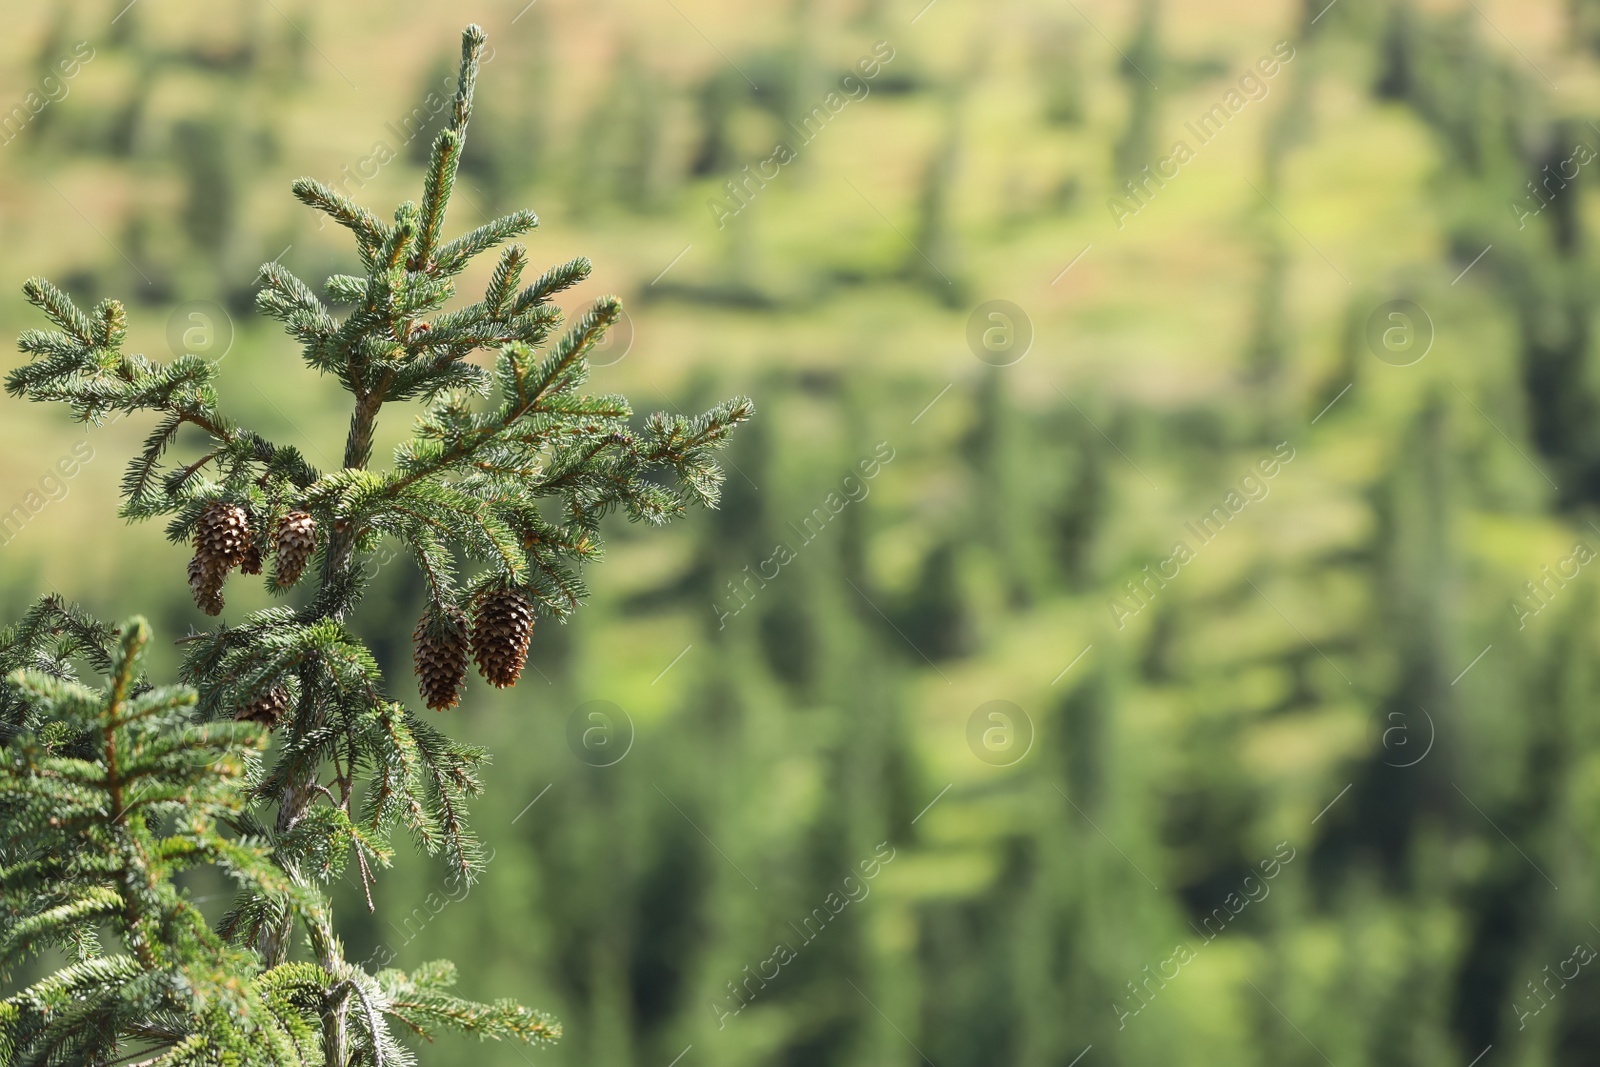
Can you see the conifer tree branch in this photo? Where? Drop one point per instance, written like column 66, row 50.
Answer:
column 352, row 765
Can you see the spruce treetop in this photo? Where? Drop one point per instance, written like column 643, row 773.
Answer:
column 497, row 497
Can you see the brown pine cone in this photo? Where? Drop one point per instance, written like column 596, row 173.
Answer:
column 252, row 560
column 267, row 709
column 439, row 652
column 501, row 629
column 205, row 584
column 222, row 537
column 296, row 541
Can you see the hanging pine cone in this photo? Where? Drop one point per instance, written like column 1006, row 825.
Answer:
column 296, row 540
column 267, row 709
column 222, row 537
column 252, row 560
column 205, row 583
column 439, row 652
column 500, row 633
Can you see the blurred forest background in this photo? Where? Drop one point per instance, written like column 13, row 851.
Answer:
column 1324, row 787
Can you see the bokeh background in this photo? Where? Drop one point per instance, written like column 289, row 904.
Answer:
column 1322, row 784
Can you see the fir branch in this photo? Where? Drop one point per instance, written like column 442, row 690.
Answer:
column 370, row 231
column 107, row 795
column 553, row 281
column 455, row 255
column 441, row 183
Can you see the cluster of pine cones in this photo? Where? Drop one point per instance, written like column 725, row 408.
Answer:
column 497, row 638
column 222, row 541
